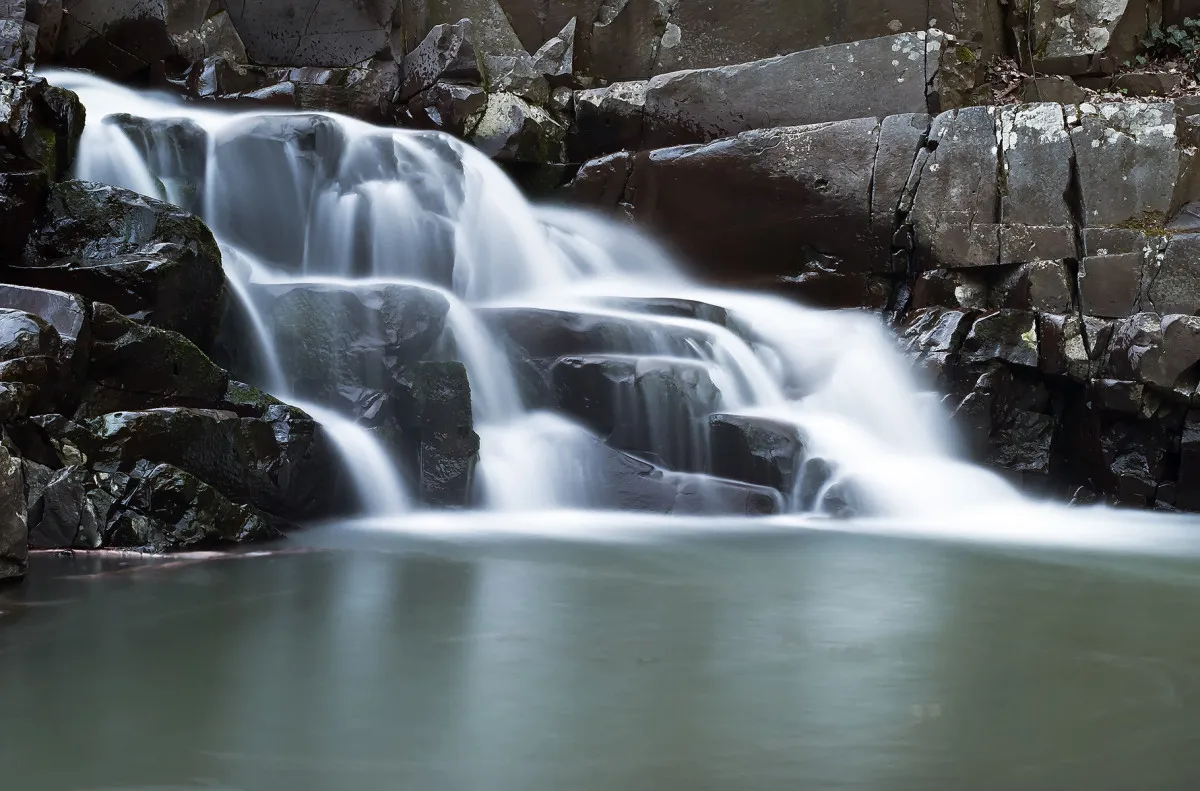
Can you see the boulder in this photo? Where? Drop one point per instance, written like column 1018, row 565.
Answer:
column 1042, row 286
column 451, row 108
column 933, row 337
column 1006, row 419
column 1175, row 282
column 281, row 462
column 432, row 406
column 1007, row 335
column 181, row 512
column 447, row 54
column 876, row 78
column 40, row 127
column 66, row 313
column 136, row 367
column 332, row 339
column 756, row 450
column 513, row 130
column 1110, row 285
column 607, row 119
column 1155, row 350
column 14, row 529
column 803, row 197
column 148, row 259
column 491, row 28
column 1078, row 37
column 655, row 408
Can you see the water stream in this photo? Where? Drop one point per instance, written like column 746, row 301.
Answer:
column 317, row 200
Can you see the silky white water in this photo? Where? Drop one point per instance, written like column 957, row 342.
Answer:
column 322, row 200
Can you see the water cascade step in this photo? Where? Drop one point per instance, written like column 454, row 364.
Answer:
column 466, row 348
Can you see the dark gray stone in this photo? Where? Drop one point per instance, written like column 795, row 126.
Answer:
column 1175, row 284
column 282, row 463
column 447, row 54
column 313, row 32
column 513, row 130
column 757, row 450
column 803, row 196
column 1128, row 164
column 1008, row 335
column 878, row 77
column 148, row 259
column 1110, row 285
column 14, row 529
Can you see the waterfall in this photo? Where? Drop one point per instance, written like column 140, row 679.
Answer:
column 317, row 200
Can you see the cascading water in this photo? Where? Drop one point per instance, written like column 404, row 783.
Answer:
column 327, row 202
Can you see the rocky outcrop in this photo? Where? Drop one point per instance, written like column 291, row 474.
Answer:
column 116, row 429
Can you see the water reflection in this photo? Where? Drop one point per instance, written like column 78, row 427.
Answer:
column 815, row 660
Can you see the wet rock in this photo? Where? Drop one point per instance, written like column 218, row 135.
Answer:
column 149, row 260
column 933, row 338
column 876, row 78
column 332, row 338
column 68, row 316
column 454, row 109
column 137, row 367
column 601, row 182
column 1155, row 350
column 25, row 335
column 1063, row 347
column 491, row 28
column 1188, row 496
column 433, row 409
column 608, row 119
column 14, row 530
column 804, row 195
column 282, row 463
column 177, row 150
column 756, row 450
column 1119, row 396
column 1006, row 419
column 949, row 288
column 512, row 130
column 313, row 33
column 447, row 54
column 182, row 512
column 655, row 408
column 1008, row 335
column 1042, row 286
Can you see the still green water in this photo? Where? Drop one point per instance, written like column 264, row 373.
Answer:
column 809, row 660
